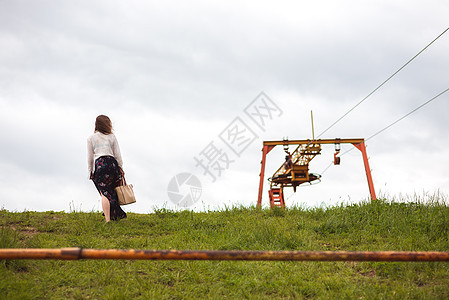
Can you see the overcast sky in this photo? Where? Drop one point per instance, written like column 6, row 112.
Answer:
column 174, row 76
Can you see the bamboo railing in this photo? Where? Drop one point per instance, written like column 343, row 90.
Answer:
column 80, row 253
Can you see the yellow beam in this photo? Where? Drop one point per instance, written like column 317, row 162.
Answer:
column 318, row 141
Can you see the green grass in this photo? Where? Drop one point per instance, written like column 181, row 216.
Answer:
column 379, row 225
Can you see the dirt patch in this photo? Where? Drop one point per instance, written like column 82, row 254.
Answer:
column 29, row 231
column 26, row 230
column 360, row 270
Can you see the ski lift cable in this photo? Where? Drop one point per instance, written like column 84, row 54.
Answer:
column 390, row 125
column 403, row 117
column 400, row 119
column 383, row 83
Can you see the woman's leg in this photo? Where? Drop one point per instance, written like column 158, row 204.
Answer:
column 106, row 208
column 107, row 176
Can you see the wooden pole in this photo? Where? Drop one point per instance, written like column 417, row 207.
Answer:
column 313, row 131
column 79, row 253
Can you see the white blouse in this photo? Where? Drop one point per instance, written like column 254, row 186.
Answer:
column 99, row 144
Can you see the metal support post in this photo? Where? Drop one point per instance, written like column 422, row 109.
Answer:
column 361, row 146
column 265, row 150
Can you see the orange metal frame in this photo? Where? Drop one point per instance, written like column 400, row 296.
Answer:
column 358, row 143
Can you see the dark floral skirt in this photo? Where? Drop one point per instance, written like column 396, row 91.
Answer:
column 107, row 177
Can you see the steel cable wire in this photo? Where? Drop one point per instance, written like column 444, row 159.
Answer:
column 383, row 83
column 391, row 124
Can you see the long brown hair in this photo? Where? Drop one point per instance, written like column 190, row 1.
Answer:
column 103, row 124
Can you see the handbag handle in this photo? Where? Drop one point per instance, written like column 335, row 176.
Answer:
column 123, row 181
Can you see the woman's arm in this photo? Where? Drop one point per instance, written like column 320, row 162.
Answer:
column 90, row 157
column 116, row 152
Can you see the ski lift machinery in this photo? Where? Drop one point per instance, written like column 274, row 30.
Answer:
column 295, row 170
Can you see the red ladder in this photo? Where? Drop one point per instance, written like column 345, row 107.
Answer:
column 276, row 197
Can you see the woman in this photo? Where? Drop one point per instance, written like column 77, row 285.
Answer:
column 105, row 167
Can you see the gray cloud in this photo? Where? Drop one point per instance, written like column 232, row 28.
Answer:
column 173, row 75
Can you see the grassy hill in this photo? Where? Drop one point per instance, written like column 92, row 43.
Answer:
column 378, row 225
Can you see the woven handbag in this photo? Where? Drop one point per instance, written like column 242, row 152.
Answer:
column 125, row 193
